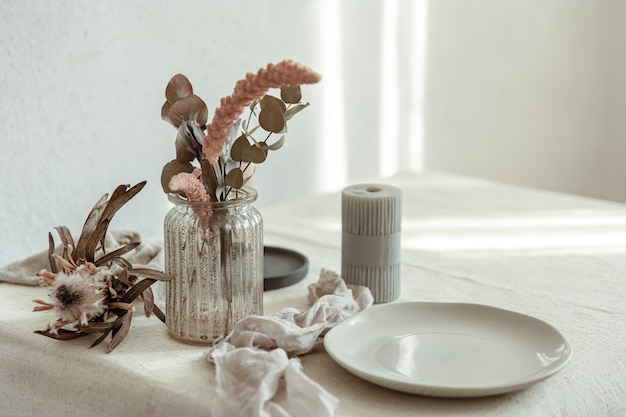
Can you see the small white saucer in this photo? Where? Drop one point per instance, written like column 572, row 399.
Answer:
column 447, row 349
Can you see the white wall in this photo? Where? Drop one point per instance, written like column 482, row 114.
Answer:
column 83, row 83
column 529, row 92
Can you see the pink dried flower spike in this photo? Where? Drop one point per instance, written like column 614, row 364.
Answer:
column 253, row 87
column 190, row 184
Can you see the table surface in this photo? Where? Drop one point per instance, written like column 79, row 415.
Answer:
column 557, row 257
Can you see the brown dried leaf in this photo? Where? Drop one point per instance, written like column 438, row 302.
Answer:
column 178, row 87
column 291, row 95
column 114, row 325
column 123, row 263
column 123, row 277
column 172, row 168
column 97, row 237
column 234, row 178
column 271, row 116
column 121, row 196
column 152, row 273
column 98, row 208
column 62, row 334
column 137, row 290
column 103, row 260
column 188, row 108
column 90, row 225
column 65, row 236
column 148, row 302
column 53, row 263
column 269, row 99
column 99, row 339
column 157, row 312
column 120, row 333
column 254, row 154
column 99, row 326
column 238, row 146
column 165, row 112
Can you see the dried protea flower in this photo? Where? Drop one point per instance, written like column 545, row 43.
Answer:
column 91, row 290
column 76, row 298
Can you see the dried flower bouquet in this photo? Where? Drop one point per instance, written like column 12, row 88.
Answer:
column 91, row 290
column 224, row 157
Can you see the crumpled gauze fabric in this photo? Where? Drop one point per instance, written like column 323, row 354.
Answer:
column 258, row 383
column 254, row 372
column 297, row 331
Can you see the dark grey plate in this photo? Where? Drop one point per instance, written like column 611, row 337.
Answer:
column 283, row 267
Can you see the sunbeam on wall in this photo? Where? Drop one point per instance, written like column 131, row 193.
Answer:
column 388, row 149
column 403, row 54
column 331, row 169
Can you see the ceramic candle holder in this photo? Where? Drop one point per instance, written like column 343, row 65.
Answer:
column 370, row 245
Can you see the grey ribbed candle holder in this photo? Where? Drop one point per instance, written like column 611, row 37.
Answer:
column 370, row 244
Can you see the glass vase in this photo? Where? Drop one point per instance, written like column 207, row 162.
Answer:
column 215, row 249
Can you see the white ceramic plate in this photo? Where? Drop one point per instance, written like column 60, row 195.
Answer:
column 447, row 349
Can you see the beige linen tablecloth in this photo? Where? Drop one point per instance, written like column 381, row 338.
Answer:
column 556, row 257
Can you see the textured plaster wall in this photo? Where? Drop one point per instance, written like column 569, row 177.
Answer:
column 83, row 83
column 528, row 92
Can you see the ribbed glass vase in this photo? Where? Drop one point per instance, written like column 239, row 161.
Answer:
column 215, row 249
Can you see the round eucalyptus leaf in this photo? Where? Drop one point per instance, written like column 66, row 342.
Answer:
column 188, row 108
column 172, row 168
column 271, row 117
column 253, row 154
column 238, row 146
column 268, row 99
column 291, row 95
column 165, row 112
column 177, row 88
column 234, row 178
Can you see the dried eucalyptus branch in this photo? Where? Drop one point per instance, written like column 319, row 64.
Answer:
column 224, row 155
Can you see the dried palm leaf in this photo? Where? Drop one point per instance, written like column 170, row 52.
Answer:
column 120, row 332
column 116, row 253
column 103, row 212
column 62, row 334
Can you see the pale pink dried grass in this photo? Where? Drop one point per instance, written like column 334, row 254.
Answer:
column 283, row 74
